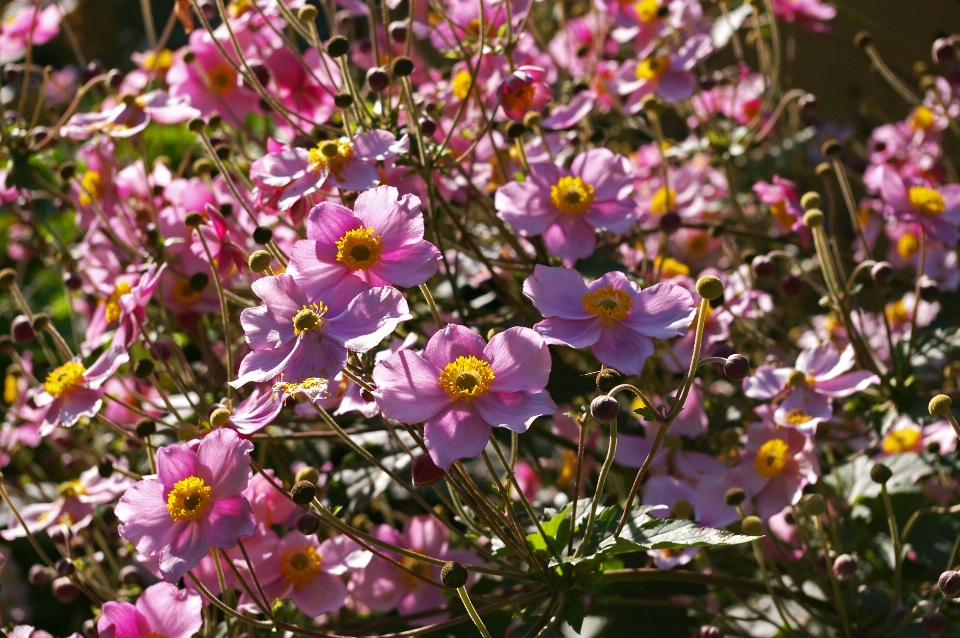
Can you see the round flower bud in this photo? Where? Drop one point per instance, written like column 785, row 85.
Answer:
column 453, row 575
column 950, row 584
column 810, row 199
column 6, row 344
column 186, row 431
column 608, row 379
column 259, row 261
column 604, row 408
column 219, row 417
column 398, row 31
column 402, row 66
column 262, row 235
column 933, row 447
column 41, row 322
column 813, row 218
column 196, row 125
column 129, row 575
column 308, row 523
column 791, row 285
column 114, row 79
column 934, row 623
column 532, row 119
column 734, row 496
column 65, row 566
column 709, row 631
column 38, row 575
column 830, row 147
column 199, row 281
column 862, row 39
column 814, row 505
column 428, row 126
column 337, row 46
column 736, row 367
column 307, row 13
column 424, row 472
column 670, row 222
column 342, row 100
column 307, row 473
column 20, row 329
column 145, row 427
column 882, row 272
column 752, row 526
column 192, row 220
column 143, row 368
column 72, row 281
column 939, row 405
column 929, row 289
column 8, row 276
column 105, row 468
column 64, row 590
column 303, row 492
column 378, row 79
column 808, row 104
column 515, row 130
column 880, row 473
column 763, row 266
column 709, row 287
column 943, row 50
column 67, row 171
column 844, row 566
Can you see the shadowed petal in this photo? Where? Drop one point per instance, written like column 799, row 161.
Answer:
column 407, row 387
column 456, row 433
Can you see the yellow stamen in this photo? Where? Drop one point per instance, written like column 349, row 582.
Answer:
column 461, row 85
column 663, row 200
column 89, row 188
column 572, row 195
column 901, row 440
column 921, row 119
column 222, row 78
column 926, row 200
column 569, row 469
column 189, row 499
column 160, row 62
column 184, row 294
column 519, row 100
column 300, row 566
column 65, row 378
column 309, row 318
column 10, row 389
column 771, row 458
column 897, row 312
column 333, row 155
column 797, row 416
column 607, row 304
column 418, row 566
column 466, row 378
column 653, row 67
column 907, row 246
column 779, row 211
column 113, row 309
column 359, row 249
column 670, row 267
column 647, row 10
column 71, row 488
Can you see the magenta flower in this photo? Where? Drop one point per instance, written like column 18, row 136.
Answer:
column 193, row 503
column 298, row 172
column 256, row 411
column 305, row 337
column 460, row 387
column 783, row 199
column 161, row 610
column 612, row 314
column 380, row 241
column 28, row 24
column 820, row 374
column 124, row 306
column 810, row 14
column 308, row 94
column 73, row 390
column 523, row 91
column 667, row 75
column 567, row 207
column 936, row 208
column 129, row 118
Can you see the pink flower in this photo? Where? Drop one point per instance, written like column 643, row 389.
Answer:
column 129, row 118
column 820, row 374
column 522, row 91
column 567, row 207
column 611, row 314
column 783, row 199
column 305, row 337
column 904, row 435
column 124, row 306
column 256, row 411
column 460, row 387
column 806, row 13
column 161, row 610
column 73, row 390
column 667, row 75
column 936, row 208
column 308, row 94
column 27, row 24
column 380, row 241
column 193, row 503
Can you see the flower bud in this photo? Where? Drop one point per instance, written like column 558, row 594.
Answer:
column 532, row 119
column 308, row 523
column 307, row 13
column 844, row 566
column 259, row 261
column 402, row 66
column 307, row 473
column 193, row 219
column 342, row 100
column 939, row 405
column 378, row 79
column 736, row 367
column 763, row 266
column 398, row 31
column 929, row 289
column 105, row 468
column 64, row 590
column 734, row 496
column 262, row 235
column 20, row 330
column 709, row 631
column 943, row 50
column 65, row 566
column 709, row 287
column 882, row 272
column 199, row 281
column 934, row 623
column 808, row 104
column 337, row 46
column 143, row 368
column 6, row 344
column 145, row 427
column 424, row 472
column 67, row 171
column 670, row 222
column 41, row 322
column 608, row 379
column 303, row 492
column 813, row 218
column 453, row 575
column 752, row 526
column 8, row 276
column 130, row 575
column 604, row 408
column 810, row 199
column 515, row 130
column 682, row 509
column 814, row 505
column 862, row 39
column 428, row 126
column 186, row 431
column 791, row 285
column 880, row 473
column 219, row 417
column 114, row 79
column 38, row 575
column 950, row 584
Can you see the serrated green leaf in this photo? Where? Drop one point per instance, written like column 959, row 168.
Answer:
column 645, row 533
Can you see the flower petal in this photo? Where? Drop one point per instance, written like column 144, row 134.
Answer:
column 661, row 311
column 172, row 612
column 223, row 461
column 458, row 432
column 623, row 349
column 557, row 292
column 514, row 410
column 520, row 360
column 407, row 388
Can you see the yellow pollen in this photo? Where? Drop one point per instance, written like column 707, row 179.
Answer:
column 300, row 566
column 670, row 267
column 520, row 99
column 779, row 211
column 926, row 200
column 65, row 378
column 113, row 301
column 333, row 155
column 901, row 440
column 907, row 245
column 184, row 294
column 921, row 119
column 71, row 488
column 663, row 200
column 572, row 195
column 653, row 67
column 461, row 85
column 771, row 458
column 89, row 187
column 313, row 387
column 569, row 469
column 607, row 304
column 897, row 312
column 466, row 378
column 161, row 61
column 154, row 634
column 189, row 499
column 359, row 249
column 309, row 318
column 239, row 7
column 647, row 10
column 797, row 416
column 418, row 566
column 10, row 390
column 222, row 78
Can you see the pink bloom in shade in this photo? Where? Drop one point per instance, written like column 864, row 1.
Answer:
column 308, row 572
column 26, row 24
column 775, row 466
column 380, row 241
column 270, row 505
column 194, row 503
column 73, row 390
column 126, row 120
column 612, row 314
column 783, row 199
column 819, row 375
column 308, row 338
column 256, row 411
column 936, row 208
column 460, row 387
column 810, row 14
column 297, row 172
column 523, row 91
column 667, row 75
column 161, row 610
column 307, row 93
column 904, row 435
column 568, row 206
column 526, row 479
column 229, row 256
column 382, row 586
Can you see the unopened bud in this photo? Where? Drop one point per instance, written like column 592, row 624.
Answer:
column 259, row 261
column 41, row 322
column 337, row 46
column 308, row 523
column 604, row 408
column 763, row 266
column 880, row 473
column 709, row 631
column 709, row 287
column 532, row 119
column 752, row 526
column 939, row 405
column 65, row 567
column 145, row 427
column 428, row 126
column 671, row 222
column 8, row 276
column 130, row 575
column 186, row 431
column 343, row 100
column 844, row 566
column 736, row 367
column 378, row 79
column 950, row 584
column 143, row 368
column 307, row 473
column 38, row 575
column 424, row 472
column 219, row 417
column 810, row 200
column 943, row 50
column 402, row 66
column 734, row 496
column 862, row 39
column 515, row 130
column 453, row 575
column 791, row 285
column 192, row 219
column 813, row 218
column 21, row 329
column 608, row 379
column 929, row 289
column 808, row 104
column 934, row 623
column 196, row 125
column 830, row 147
column 398, row 31
column 303, row 492
column 882, row 272
column 64, row 590
column 814, row 505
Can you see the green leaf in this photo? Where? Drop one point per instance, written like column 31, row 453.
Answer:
column 644, row 533
column 557, row 530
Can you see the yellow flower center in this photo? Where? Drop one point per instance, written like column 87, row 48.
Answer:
column 420, row 567
column 772, row 458
column 926, row 200
column 520, row 99
column 184, row 294
column 779, row 211
column 653, row 67
column 113, row 301
column 313, row 387
column 466, row 378
column 222, row 78
column 71, row 488
column 607, row 304
column 907, row 245
column 461, row 84
column 239, row 7
column 901, row 440
column 663, row 200
column 10, row 390
column 65, row 378
column 300, row 566
column 569, row 469
column 797, row 416
column 161, row 61
column 189, row 499
column 897, row 312
column 333, row 155
column 921, row 119
column 572, row 195
column 309, row 318
column 670, row 267
column 89, row 187
column 647, row 10
column 359, row 249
